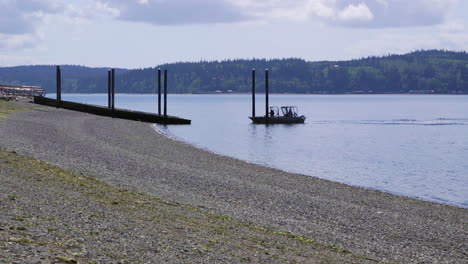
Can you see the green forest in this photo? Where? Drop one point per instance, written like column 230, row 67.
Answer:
column 427, row 71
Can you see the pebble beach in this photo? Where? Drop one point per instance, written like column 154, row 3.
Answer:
column 129, row 155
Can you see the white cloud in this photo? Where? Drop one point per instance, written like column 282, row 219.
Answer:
column 404, row 13
column 359, row 12
column 406, row 40
column 18, row 41
column 20, row 17
column 384, row 3
column 285, row 9
column 177, row 12
column 355, row 13
column 37, row 26
column 21, row 21
column 453, row 27
column 143, row 2
column 89, row 9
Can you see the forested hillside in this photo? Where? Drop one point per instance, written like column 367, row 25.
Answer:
column 77, row 79
column 432, row 71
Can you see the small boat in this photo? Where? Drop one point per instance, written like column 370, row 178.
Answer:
column 288, row 115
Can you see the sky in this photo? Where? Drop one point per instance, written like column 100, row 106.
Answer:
column 145, row 33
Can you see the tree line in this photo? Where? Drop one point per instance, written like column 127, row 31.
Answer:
column 426, row 71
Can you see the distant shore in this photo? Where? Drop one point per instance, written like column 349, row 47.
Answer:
column 131, row 155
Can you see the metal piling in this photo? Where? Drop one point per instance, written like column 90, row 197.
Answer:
column 113, row 89
column 165, row 93
column 159, row 91
column 266, row 98
column 253, row 92
column 59, row 84
column 109, row 88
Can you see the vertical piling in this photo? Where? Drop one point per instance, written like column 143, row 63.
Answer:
column 113, row 89
column 266, row 98
column 253, row 92
column 159, row 91
column 109, row 85
column 59, row 84
column 165, row 93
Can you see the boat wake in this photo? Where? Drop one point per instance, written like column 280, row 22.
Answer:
column 409, row 122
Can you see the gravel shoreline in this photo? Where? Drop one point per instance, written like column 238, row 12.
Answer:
column 132, row 155
column 50, row 215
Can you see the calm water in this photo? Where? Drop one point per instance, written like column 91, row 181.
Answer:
column 414, row 145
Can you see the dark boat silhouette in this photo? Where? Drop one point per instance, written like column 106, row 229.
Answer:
column 288, row 115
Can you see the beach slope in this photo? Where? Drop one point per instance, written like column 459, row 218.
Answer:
column 131, row 155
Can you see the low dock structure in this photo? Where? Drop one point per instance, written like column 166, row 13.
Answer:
column 113, row 112
column 110, row 110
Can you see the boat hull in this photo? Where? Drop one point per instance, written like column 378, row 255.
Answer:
column 278, row 120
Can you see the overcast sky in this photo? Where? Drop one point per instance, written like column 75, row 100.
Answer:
column 144, row 33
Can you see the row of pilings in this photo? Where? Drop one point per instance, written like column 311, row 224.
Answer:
column 110, row 110
column 111, row 89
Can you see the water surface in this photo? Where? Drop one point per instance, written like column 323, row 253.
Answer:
column 413, row 145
